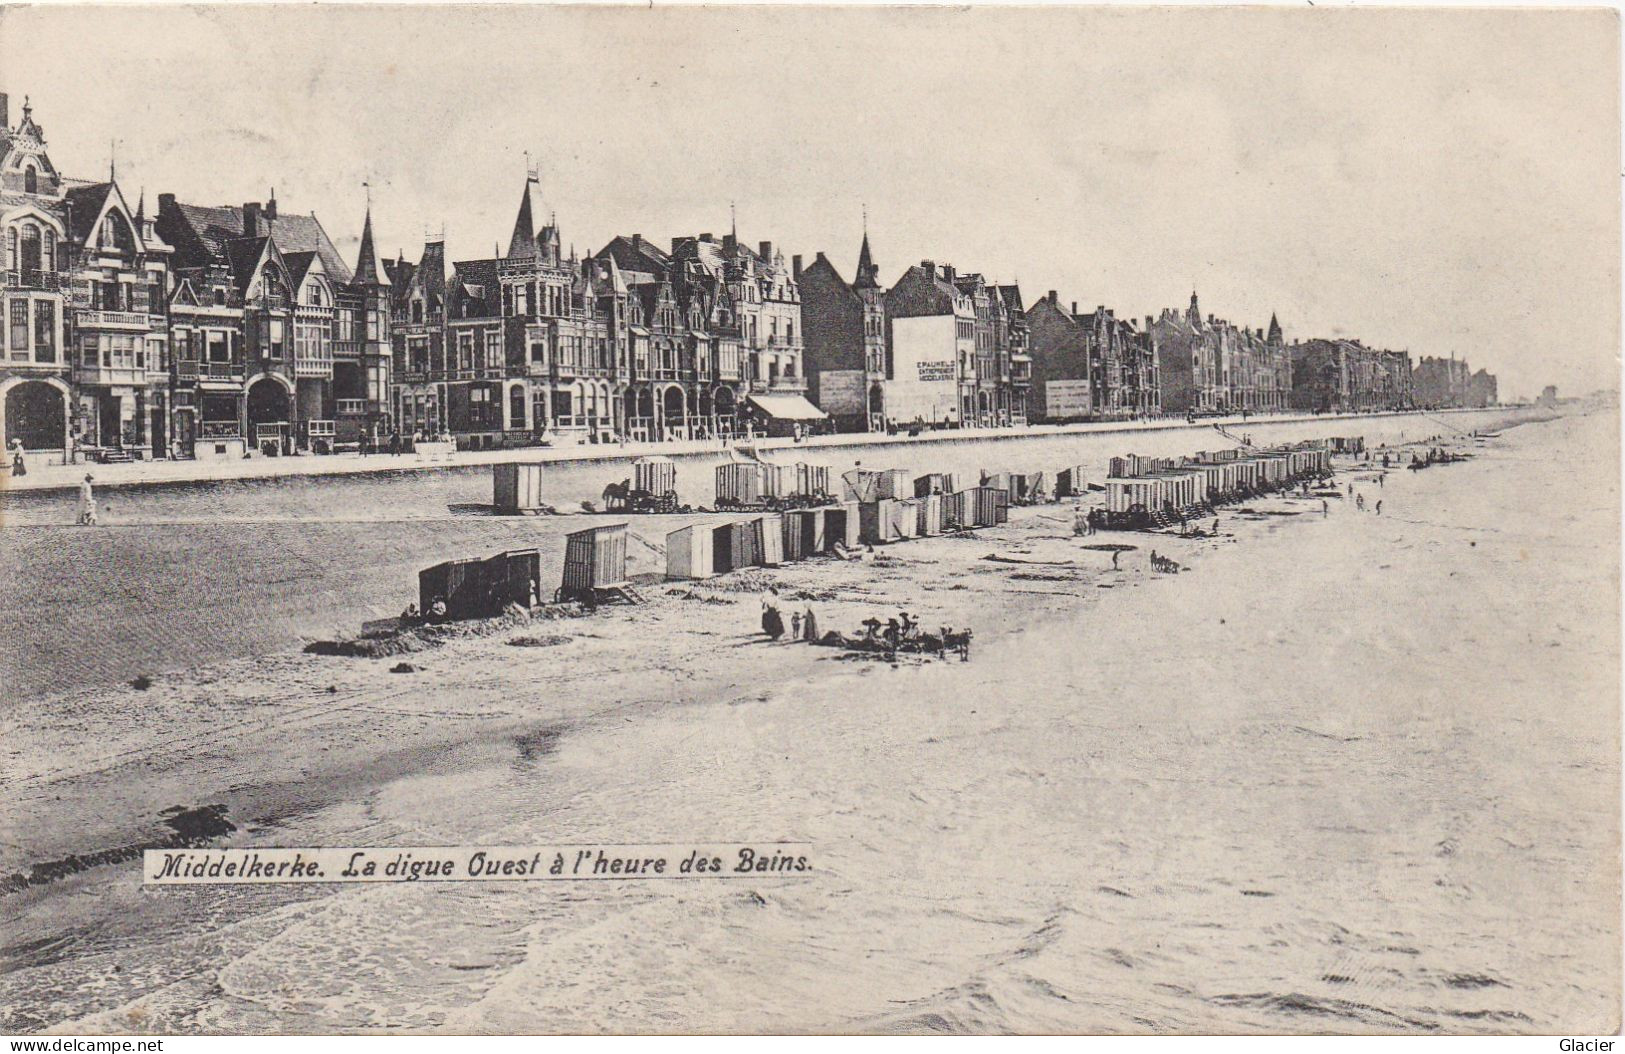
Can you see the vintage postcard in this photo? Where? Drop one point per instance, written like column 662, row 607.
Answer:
column 802, row 520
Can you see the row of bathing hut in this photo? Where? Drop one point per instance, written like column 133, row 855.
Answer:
column 876, row 508
column 1149, row 492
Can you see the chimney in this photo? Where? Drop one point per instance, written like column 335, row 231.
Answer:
column 5, row 111
column 706, row 238
column 929, row 267
column 729, row 244
column 251, row 219
column 766, row 250
column 166, row 203
column 795, row 265
column 637, row 241
column 1052, row 296
column 1074, row 307
column 675, row 244
column 948, row 272
column 270, row 206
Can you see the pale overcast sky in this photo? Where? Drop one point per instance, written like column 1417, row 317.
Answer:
column 1439, row 181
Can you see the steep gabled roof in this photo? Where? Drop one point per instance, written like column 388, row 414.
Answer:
column 85, row 205
column 298, row 266
column 214, row 226
column 243, row 256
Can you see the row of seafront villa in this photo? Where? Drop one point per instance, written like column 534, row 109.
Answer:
column 216, row 331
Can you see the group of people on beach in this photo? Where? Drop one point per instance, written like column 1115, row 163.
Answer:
column 803, row 625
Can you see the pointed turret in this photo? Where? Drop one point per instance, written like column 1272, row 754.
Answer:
column 1194, row 314
column 1275, row 330
column 866, row 268
column 367, row 271
column 522, row 244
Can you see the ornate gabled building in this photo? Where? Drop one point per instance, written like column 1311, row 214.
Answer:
column 1211, row 366
column 279, row 345
column 86, row 363
column 418, row 341
column 1092, row 365
column 847, row 363
column 1339, row 376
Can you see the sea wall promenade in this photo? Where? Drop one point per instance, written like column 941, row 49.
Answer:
column 695, row 458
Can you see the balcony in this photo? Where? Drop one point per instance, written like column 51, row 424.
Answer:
column 186, row 369
column 313, row 365
column 34, row 278
column 121, row 320
column 118, row 376
column 222, row 371
column 220, row 430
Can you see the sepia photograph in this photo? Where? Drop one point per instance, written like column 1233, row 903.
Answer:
column 843, row 520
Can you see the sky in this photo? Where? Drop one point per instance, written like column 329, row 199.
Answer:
column 1441, row 181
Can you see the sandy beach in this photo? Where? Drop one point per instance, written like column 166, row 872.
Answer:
column 1346, row 773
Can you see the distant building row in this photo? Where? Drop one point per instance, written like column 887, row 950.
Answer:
column 217, row 330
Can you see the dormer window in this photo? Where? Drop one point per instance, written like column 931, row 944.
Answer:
column 313, row 296
column 30, row 180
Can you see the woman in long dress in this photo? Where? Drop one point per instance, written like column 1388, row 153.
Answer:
column 17, row 466
column 87, row 503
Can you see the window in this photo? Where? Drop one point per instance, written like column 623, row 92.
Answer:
column 538, row 352
column 274, row 346
column 155, row 293
column 219, row 350
column 313, row 296
column 417, row 311
column 493, row 350
column 19, row 329
column 219, row 298
column 48, row 251
column 31, row 247
column 30, row 180
column 44, row 331
column 12, row 263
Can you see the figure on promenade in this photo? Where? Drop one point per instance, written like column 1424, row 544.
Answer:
column 87, row 502
column 18, row 467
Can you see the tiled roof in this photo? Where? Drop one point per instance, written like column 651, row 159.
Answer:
column 298, row 265
column 84, row 208
column 217, row 225
column 242, row 255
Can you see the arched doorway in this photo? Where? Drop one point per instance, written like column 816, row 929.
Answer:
column 726, row 409
column 37, row 414
column 268, row 415
column 672, row 405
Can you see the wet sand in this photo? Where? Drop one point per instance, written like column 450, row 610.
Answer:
column 1349, row 774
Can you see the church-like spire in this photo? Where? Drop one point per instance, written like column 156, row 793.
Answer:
column 1275, row 330
column 523, row 242
column 367, row 271
column 1195, row 312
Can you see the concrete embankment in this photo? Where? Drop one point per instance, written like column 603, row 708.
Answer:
column 580, row 473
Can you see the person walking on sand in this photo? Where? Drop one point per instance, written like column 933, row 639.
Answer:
column 809, row 626
column 18, row 468
column 795, row 625
column 1379, row 508
column 87, row 503
column 1115, row 554
column 1325, row 510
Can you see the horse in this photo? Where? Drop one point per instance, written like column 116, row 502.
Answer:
column 615, row 496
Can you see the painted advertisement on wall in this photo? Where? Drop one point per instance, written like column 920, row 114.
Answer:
column 841, row 392
column 1066, row 399
column 925, row 387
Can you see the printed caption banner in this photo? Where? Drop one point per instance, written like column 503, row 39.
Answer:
column 545, row 863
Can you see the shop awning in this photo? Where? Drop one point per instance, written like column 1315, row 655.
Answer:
column 787, row 407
